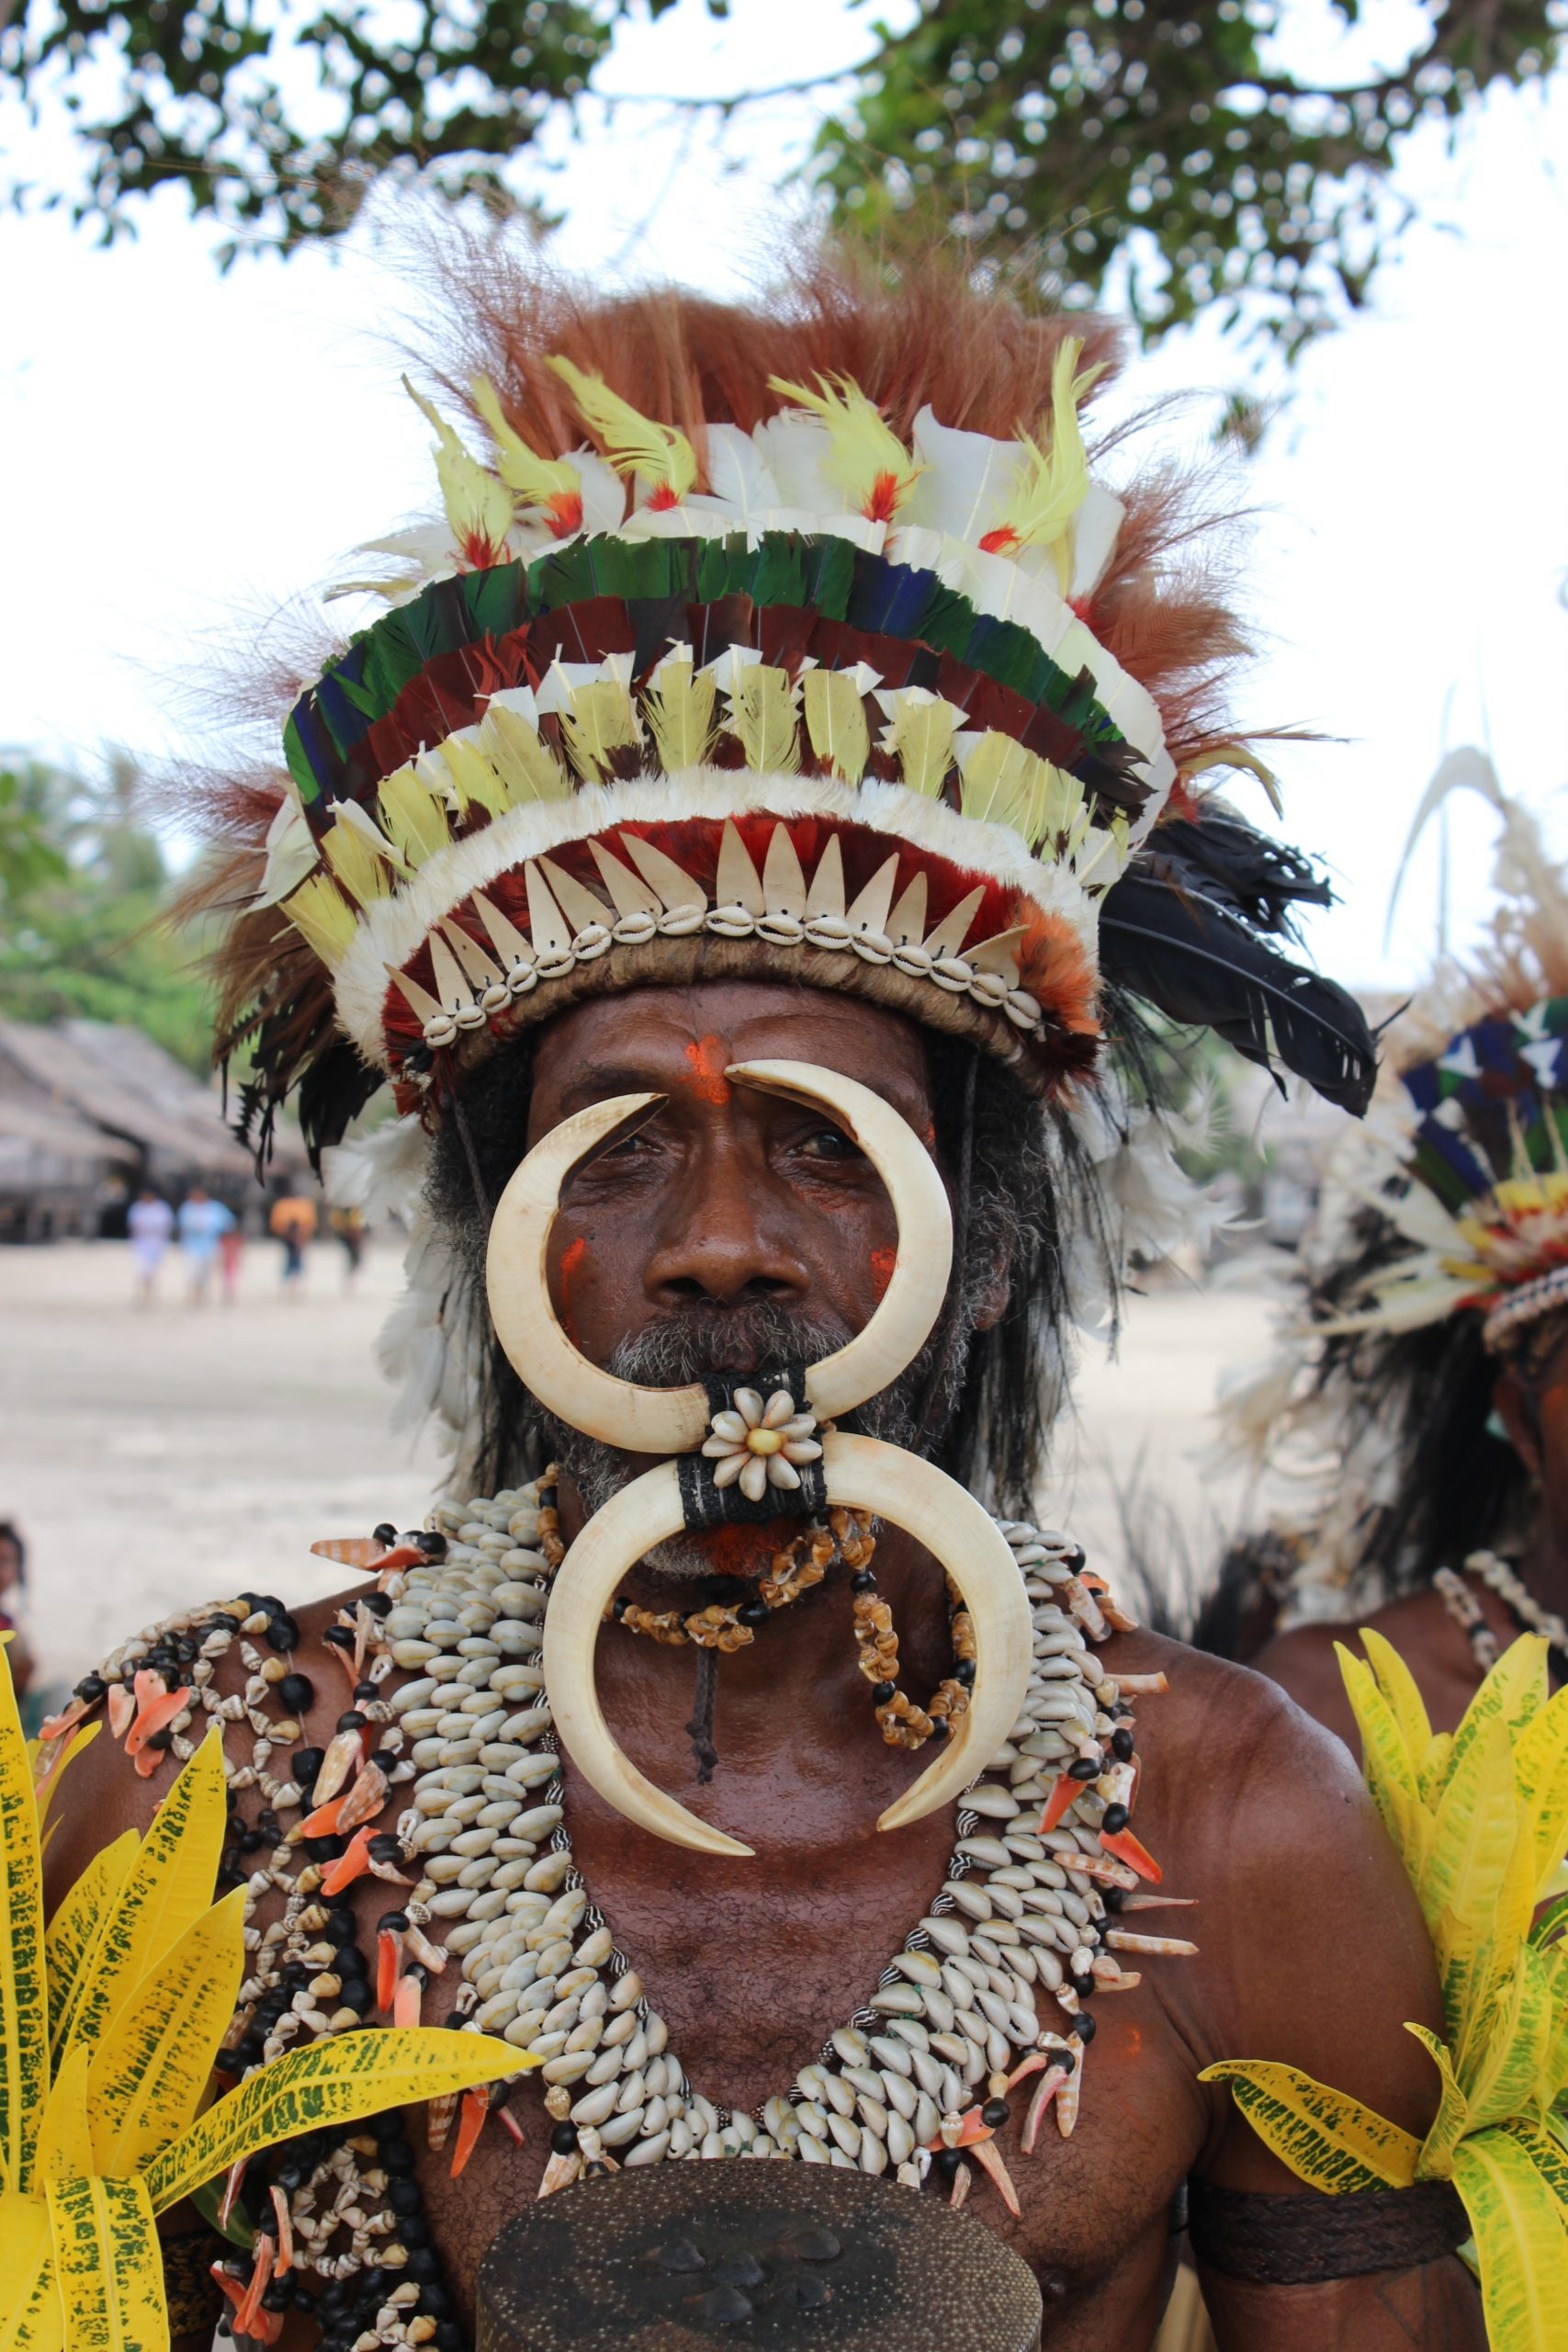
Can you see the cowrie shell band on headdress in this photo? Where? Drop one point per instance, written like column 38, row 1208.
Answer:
column 672, row 1420
column 858, row 1472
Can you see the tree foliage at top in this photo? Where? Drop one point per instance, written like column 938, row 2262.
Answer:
column 277, row 119
column 1072, row 134
column 83, row 889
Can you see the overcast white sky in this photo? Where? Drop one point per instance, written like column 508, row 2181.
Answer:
column 181, row 451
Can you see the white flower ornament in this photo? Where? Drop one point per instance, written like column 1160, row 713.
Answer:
column 760, row 1444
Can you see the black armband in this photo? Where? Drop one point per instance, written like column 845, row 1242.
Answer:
column 1305, row 2241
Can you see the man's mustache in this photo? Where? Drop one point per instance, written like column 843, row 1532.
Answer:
column 698, row 1342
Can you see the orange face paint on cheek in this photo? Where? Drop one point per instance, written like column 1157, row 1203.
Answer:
column 574, row 1259
column 709, row 1057
column 882, row 1265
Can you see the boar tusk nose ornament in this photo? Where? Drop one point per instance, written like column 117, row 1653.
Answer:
column 858, row 1472
column 671, row 1421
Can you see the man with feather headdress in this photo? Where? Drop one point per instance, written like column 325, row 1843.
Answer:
column 735, row 846
column 1431, row 1365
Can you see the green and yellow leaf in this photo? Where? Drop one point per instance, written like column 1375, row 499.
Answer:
column 65, row 2140
column 24, row 1994
column 332, row 2082
column 1435, row 2161
column 78, row 1922
column 1473, row 1840
column 1509, row 2075
column 30, row 2316
column 48, row 1772
column 108, row 2265
column 152, row 2067
column 1545, row 2151
column 1402, row 1698
column 1520, row 2244
column 169, row 1885
column 1329, row 2141
column 1385, row 1761
column 1512, row 1694
column 1540, row 1769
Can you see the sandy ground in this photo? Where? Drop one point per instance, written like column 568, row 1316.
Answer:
column 155, row 1458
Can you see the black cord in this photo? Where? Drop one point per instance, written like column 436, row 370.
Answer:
column 700, row 1729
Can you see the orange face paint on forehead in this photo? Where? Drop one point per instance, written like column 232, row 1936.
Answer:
column 709, row 1056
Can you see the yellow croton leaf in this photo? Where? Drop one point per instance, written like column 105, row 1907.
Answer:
column 1391, row 1774
column 168, row 1887
column 108, row 2265
column 1540, row 1769
column 1513, row 1694
column 1435, row 2161
column 150, row 2069
column 30, row 2316
column 1472, row 1838
column 78, row 1919
column 336, row 2081
column 24, row 2001
column 1400, row 1695
column 1508, row 2074
column 1546, row 2152
column 1520, row 2244
column 1331, row 2141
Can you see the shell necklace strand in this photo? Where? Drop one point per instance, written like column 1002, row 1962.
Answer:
column 1043, row 1864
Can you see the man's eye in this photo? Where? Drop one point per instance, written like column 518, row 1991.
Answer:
column 830, row 1142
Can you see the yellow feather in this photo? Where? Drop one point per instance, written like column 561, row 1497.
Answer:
column 474, row 780
column 533, row 480
column 658, row 454
column 835, row 721
column 921, row 736
column 527, row 767
column 324, row 918
column 600, row 723
column 354, row 861
column 1055, row 478
column 866, row 458
column 761, row 713
column 678, row 707
column 479, row 508
column 415, row 822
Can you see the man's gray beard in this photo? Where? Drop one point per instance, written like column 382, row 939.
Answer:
column 734, row 1340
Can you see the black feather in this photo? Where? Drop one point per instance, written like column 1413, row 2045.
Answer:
column 1219, row 857
column 1201, row 964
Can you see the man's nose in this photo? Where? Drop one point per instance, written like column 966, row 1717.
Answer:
column 727, row 1238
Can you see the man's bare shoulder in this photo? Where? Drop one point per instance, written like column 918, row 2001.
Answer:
column 105, row 1794
column 1261, row 1817
column 1305, row 1661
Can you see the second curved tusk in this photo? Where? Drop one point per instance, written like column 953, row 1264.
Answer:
column 643, row 1514
column 868, row 1476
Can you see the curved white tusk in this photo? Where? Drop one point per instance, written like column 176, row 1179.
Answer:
column 643, row 1514
column 673, row 1420
column 916, row 1495
column 868, row 1476
column 906, row 1315
column 641, row 1420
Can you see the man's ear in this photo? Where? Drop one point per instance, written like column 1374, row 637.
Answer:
column 1511, row 1403
column 991, row 1302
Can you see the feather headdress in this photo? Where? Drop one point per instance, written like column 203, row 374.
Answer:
column 1442, row 1228
column 827, row 655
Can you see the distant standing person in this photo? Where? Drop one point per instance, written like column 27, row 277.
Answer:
column 13, row 1593
column 231, row 1249
column 203, row 1222
column 150, row 1221
column 349, row 1227
column 293, row 1222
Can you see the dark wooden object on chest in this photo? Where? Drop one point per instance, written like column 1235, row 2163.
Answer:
column 689, row 2257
